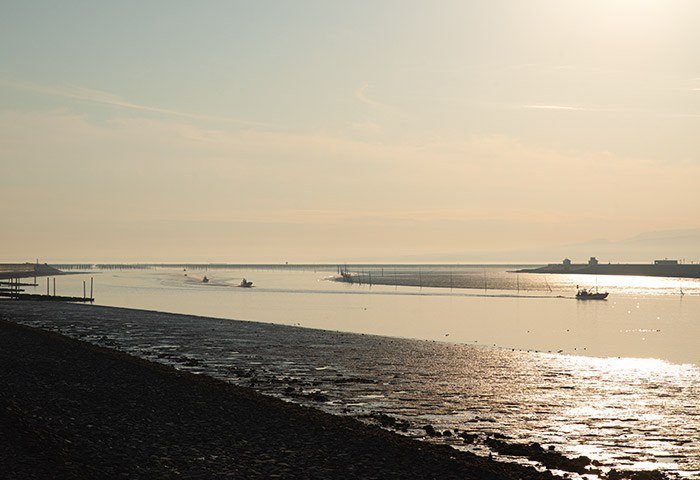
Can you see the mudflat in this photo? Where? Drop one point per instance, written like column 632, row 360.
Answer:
column 73, row 410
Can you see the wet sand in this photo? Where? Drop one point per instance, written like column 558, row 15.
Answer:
column 73, row 410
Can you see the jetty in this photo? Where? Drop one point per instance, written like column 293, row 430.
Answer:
column 11, row 285
column 660, row 268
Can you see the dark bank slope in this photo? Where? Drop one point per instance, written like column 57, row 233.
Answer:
column 72, row 410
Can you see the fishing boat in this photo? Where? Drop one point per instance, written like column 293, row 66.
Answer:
column 245, row 283
column 584, row 294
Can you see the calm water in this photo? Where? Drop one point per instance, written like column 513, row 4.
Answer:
column 616, row 380
column 643, row 317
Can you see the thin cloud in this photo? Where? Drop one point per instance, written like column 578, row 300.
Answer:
column 106, row 98
column 636, row 111
column 553, row 107
column 685, row 115
column 366, row 127
column 361, row 95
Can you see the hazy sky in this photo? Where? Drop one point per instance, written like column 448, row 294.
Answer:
column 272, row 131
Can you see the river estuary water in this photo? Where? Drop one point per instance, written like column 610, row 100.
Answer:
column 488, row 353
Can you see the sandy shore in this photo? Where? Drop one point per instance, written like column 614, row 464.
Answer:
column 69, row 409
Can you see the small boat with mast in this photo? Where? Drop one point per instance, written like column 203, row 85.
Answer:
column 585, row 294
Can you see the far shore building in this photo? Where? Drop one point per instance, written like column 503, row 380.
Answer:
column 665, row 262
column 566, row 264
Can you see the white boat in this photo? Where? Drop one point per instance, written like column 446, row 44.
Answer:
column 245, row 283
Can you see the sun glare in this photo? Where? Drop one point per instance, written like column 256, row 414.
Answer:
column 636, row 285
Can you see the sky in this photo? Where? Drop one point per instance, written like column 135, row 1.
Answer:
column 329, row 131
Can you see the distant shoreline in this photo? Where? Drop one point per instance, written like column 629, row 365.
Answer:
column 681, row 270
column 26, row 270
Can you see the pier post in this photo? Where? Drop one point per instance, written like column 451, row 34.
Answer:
column 91, row 288
column 47, row 286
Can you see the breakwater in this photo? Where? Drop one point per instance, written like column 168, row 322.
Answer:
column 680, row 270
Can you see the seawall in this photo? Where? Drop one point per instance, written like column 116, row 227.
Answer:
column 650, row 270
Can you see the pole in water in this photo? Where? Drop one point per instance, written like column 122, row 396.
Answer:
column 83, row 289
column 47, row 286
column 54, row 286
column 91, row 288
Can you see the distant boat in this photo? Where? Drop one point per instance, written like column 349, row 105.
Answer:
column 584, row 294
column 205, row 279
column 245, row 283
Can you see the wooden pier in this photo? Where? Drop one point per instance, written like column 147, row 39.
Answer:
column 50, row 298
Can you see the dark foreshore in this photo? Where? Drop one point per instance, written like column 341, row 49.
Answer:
column 74, row 410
